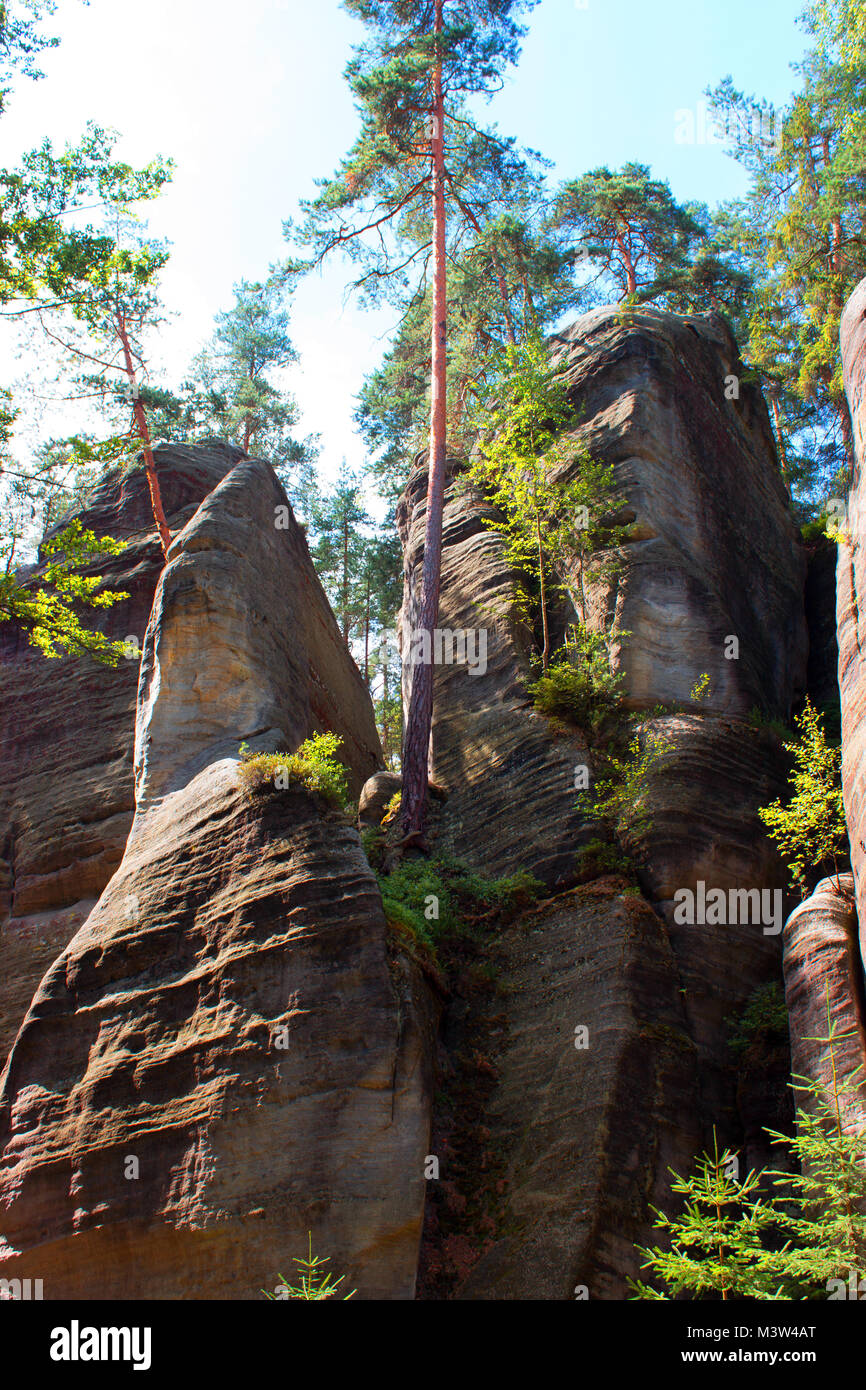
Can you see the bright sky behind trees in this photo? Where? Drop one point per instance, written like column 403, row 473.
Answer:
column 251, row 103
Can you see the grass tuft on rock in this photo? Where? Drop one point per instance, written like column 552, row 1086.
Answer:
column 436, row 897
column 314, row 766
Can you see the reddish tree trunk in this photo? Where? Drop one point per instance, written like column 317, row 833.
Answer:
column 386, row 729
column 144, row 435
column 416, row 744
column 503, row 294
column 346, row 623
column 780, row 441
column 627, row 261
column 367, row 637
column 847, row 436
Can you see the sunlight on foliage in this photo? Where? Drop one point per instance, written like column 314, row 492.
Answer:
column 810, row 830
column 314, row 1281
column 45, row 606
column 314, row 766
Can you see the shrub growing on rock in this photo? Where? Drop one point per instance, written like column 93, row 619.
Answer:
column 314, row 766
column 578, row 685
column 440, row 896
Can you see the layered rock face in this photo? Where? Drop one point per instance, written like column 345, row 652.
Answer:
column 712, row 555
column 66, row 778
column 592, row 1101
column 242, row 645
column 824, row 985
column 711, row 582
column 511, row 800
column 851, row 603
column 228, row 1054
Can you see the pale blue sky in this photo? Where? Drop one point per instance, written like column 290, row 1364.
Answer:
column 250, row 101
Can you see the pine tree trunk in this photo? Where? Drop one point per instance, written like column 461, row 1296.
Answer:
column 545, row 655
column 416, row 744
column 386, row 733
column 144, row 435
column 847, row 436
column 345, row 614
column 627, row 262
column 780, row 441
column 367, row 637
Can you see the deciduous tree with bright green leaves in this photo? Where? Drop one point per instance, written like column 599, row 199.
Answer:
column 45, row 605
column 810, row 829
column 551, row 522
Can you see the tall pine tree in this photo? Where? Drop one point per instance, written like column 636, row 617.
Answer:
column 415, row 157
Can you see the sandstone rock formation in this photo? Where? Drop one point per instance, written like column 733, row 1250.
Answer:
column 235, row 1049
column 229, row 1054
column 510, row 784
column 697, row 469
column 823, row 985
column 376, row 792
column 592, row 1100
column 713, row 552
column 66, row 779
column 851, row 603
column 242, row 645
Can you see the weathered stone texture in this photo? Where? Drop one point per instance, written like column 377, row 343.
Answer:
column 851, row 603
column 712, row 554
column 233, row 1014
column 713, row 551
column 824, row 986
column 66, row 778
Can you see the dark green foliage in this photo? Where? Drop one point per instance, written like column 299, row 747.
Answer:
column 644, row 247
column 339, row 525
column 801, row 233
column 231, row 393
column 579, row 685
column 600, row 857
column 759, row 720
column 764, row 1017
column 435, row 897
column 774, row 1235
column 374, row 843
